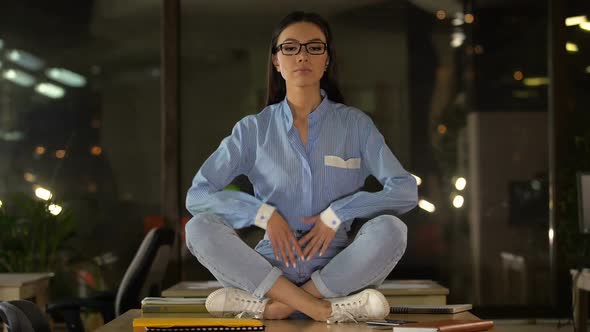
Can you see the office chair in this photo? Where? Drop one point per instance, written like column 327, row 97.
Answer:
column 23, row 316
column 143, row 278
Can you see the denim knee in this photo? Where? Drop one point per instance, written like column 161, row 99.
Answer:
column 200, row 233
column 390, row 232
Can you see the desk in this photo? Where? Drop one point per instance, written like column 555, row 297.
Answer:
column 581, row 287
column 124, row 323
column 25, row 286
column 397, row 292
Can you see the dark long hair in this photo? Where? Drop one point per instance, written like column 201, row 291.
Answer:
column 277, row 89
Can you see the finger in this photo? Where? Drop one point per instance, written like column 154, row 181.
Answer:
column 284, row 251
column 316, row 247
column 290, row 254
column 325, row 245
column 302, row 241
column 311, row 248
column 275, row 249
column 297, row 248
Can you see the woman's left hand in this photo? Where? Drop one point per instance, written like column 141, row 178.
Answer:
column 319, row 237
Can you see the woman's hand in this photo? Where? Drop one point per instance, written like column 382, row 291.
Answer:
column 282, row 239
column 319, row 237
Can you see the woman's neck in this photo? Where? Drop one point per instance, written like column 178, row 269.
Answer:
column 303, row 100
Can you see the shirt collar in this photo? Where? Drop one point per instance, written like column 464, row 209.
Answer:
column 313, row 117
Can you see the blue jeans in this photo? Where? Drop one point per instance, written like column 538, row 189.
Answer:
column 345, row 268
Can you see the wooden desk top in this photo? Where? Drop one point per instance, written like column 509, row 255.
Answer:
column 20, row 279
column 124, row 323
column 389, row 288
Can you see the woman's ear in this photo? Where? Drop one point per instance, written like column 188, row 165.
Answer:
column 275, row 63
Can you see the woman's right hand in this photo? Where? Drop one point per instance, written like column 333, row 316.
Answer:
column 284, row 243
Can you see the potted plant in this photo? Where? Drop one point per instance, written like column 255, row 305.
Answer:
column 33, row 234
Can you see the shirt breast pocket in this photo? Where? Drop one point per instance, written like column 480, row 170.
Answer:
column 341, row 175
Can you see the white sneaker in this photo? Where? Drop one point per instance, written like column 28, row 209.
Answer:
column 233, row 302
column 368, row 304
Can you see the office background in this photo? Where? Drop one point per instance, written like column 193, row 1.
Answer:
column 460, row 90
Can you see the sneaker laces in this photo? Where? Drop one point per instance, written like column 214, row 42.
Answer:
column 349, row 311
column 341, row 317
column 250, row 308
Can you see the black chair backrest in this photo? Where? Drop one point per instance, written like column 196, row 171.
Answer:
column 146, row 271
column 23, row 316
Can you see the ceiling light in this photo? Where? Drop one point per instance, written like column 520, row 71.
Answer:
column 575, row 20
column 571, row 47
column 66, row 77
column 426, row 206
column 24, row 59
column 54, row 209
column 50, row 90
column 418, row 179
column 536, row 81
column 585, row 26
column 460, row 183
column 43, row 193
column 19, row 77
column 458, row 201
column 457, row 39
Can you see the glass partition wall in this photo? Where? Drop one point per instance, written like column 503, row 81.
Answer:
column 80, row 128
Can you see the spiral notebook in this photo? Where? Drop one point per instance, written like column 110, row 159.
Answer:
column 430, row 309
column 204, row 328
column 184, row 324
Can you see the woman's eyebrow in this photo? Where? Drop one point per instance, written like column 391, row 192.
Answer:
column 295, row 40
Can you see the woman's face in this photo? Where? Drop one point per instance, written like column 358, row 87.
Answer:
column 302, row 69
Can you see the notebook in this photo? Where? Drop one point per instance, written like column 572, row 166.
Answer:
column 173, row 305
column 430, row 309
column 446, row 326
column 184, row 324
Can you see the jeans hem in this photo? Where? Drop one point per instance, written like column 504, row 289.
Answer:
column 267, row 282
column 321, row 286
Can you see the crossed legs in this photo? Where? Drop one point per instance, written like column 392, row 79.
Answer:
column 365, row 262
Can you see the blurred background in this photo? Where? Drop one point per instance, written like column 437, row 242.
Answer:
column 461, row 90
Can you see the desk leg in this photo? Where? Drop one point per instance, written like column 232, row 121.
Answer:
column 581, row 310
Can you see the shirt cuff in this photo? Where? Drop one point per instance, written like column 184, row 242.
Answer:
column 330, row 219
column 263, row 215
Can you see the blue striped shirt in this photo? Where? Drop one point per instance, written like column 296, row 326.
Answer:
column 322, row 177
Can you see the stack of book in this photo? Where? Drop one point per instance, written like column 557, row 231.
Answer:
column 173, row 305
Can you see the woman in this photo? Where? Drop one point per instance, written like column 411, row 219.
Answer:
column 307, row 156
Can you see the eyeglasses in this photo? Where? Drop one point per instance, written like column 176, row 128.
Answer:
column 293, row 48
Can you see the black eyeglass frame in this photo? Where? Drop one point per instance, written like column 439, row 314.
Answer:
column 280, row 47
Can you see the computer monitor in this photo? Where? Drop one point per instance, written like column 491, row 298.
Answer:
column 584, row 202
